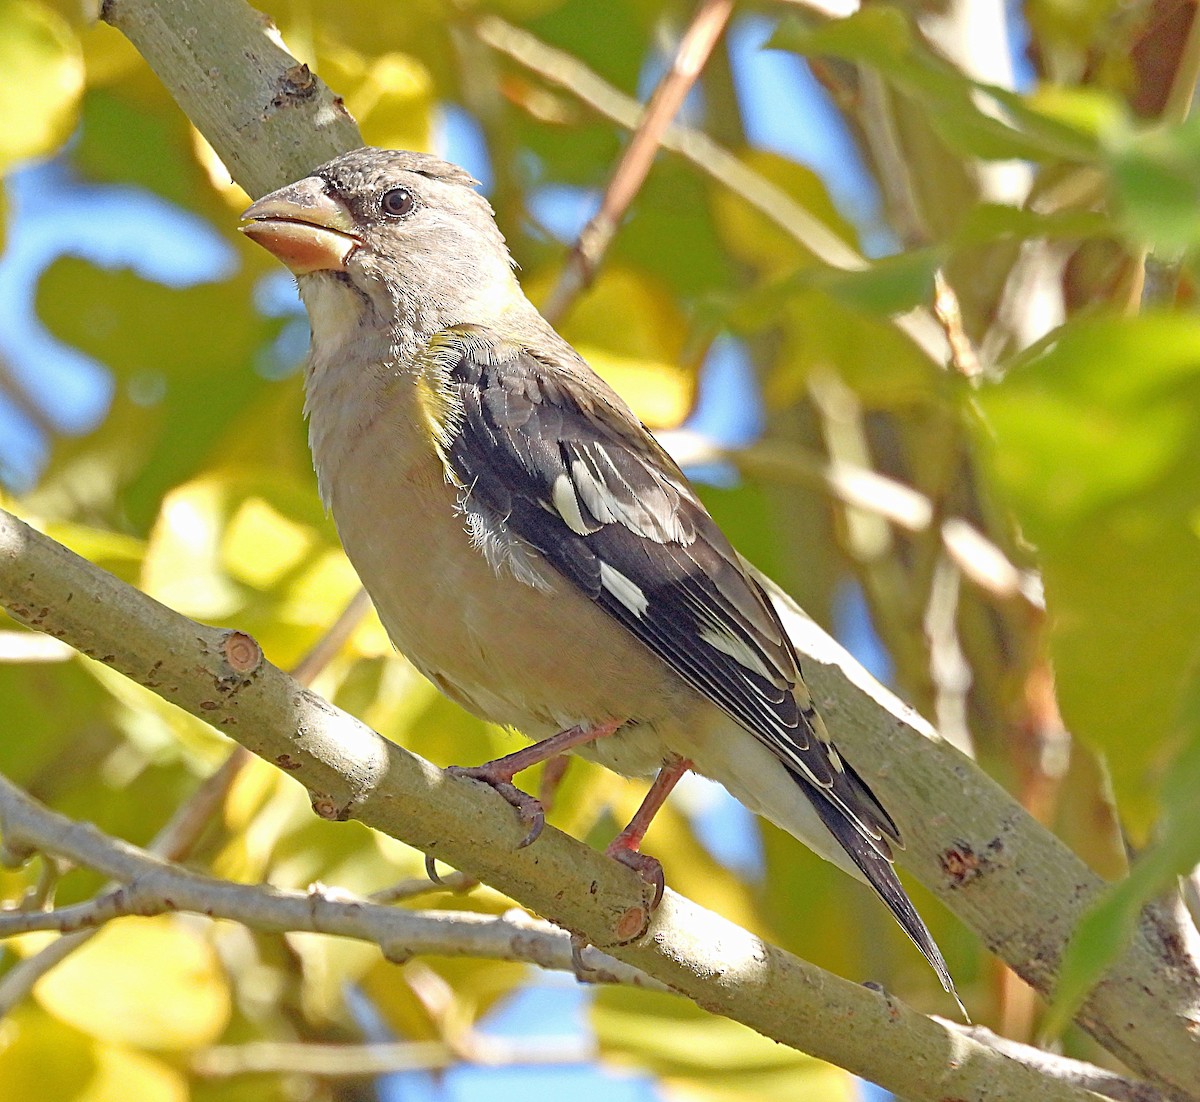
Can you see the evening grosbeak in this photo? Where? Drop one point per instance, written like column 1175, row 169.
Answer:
column 528, row 544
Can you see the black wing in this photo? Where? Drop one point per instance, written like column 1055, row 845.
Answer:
column 570, row 472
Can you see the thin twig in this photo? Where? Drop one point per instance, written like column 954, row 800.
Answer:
column 706, row 28
column 697, row 148
column 1131, row 291
column 1183, row 84
column 341, row 1061
column 13, row 387
column 948, row 311
column 336, row 636
column 979, row 558
column 151, row 885
column 418, row 886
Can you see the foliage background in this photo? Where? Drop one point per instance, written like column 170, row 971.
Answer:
column 1053, row 450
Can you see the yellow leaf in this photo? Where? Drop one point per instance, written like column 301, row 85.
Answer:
column 328, row 965
column 41, row 1057
column 253, row 787
column 43, row 79
column 183, row 566
column 261, row 544
column 218, row 173
column 319, row 593
column 122, row 1074
column 149, row 982
column 756, row 240
column 816, row 1080
column 631, row 332
column 390, row 95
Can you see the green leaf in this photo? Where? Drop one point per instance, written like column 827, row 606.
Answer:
column 184, row 365
column 882, row 37
column 889, row 286
column 1105, row 930
column 1156, row 175
column 1095, row 442
column 131, row 139
column 986, row 223
column 881, row 363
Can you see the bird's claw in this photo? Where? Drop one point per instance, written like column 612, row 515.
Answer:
column 431, row 869
column 530, row 809
column 459, row 882
column 584, row 972
column 648, row 868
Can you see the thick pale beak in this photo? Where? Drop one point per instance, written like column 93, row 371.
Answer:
column 304, row 226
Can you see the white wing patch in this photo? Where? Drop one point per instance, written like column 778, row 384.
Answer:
column 629, row 593
column 562, row 494
column 715, row 635
column 612, row 500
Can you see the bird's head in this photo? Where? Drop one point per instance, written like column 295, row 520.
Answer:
column 405, row 233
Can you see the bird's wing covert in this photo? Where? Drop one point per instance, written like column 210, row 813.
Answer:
column 569, row 471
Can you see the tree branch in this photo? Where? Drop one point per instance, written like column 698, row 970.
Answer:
column 176, row 839
column 1102, row 1081
column 291, row 1058
column 269, row 118
column 349, row 770
column 153, row 886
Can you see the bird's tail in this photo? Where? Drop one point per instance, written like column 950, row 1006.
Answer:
column 880, row 874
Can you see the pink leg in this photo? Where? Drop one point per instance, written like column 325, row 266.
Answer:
column 625, row 846
column 552, row 775
column 499, row 773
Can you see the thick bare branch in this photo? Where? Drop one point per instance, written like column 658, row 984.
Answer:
column 269, row 118
column 180, row 834
column 151, row 885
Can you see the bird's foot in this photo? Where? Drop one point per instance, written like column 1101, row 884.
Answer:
column 584, row 972
column 532, row 813
column 458, row 881
column 648, row 868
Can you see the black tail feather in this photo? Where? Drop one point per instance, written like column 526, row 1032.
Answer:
column 882, row 877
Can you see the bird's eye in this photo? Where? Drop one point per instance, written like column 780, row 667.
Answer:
column 398, row 202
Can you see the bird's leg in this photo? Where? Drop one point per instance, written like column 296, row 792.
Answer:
column 552, row 774
column 624, row 847
column 499, row 773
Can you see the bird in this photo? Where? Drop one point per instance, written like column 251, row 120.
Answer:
column 528, row 544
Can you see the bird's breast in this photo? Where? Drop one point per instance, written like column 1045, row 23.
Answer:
column 538, row 658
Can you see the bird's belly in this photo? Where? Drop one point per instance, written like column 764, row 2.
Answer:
column 540, row 661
